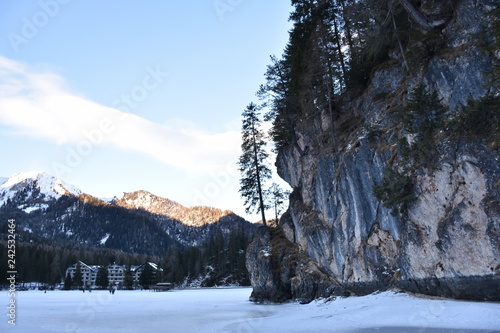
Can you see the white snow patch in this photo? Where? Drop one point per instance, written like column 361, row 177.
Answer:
column 104, row 239
column 228, row 310
column 108, row 200
column 28, row 209
column 266, row 252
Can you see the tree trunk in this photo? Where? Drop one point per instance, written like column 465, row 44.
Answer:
column 405, row 63
column 347, row 27
column 259, row 186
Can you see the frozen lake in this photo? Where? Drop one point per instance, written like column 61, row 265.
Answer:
column 228, row 310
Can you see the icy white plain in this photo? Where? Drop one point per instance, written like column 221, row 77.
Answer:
column 228, row 310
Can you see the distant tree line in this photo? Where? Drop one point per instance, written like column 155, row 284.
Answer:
column 216, row 262
column 47, row 263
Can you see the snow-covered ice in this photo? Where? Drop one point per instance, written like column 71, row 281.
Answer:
column 228, row 310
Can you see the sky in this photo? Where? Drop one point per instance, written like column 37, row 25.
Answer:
column 119, row 96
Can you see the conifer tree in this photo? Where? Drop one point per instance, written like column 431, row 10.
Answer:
column 77, row 279
column 68, row 282
column 277, row 198
column 102, row 279
column 128, row 279
column 55, row 270
column 254, row 171
column 148, row 276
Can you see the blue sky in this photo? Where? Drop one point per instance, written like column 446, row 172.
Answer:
column 116, row 96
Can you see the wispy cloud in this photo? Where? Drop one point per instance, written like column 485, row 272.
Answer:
column 39, row 104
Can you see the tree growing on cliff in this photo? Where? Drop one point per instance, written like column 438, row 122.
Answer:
column 254, row 171
column 277, row 196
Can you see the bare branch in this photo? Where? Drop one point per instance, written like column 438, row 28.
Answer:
column 419, row 18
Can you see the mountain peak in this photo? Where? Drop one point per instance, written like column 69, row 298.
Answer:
column 147, row 201
column 193, row 216
column 49, row 187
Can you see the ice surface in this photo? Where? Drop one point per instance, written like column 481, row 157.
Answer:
column 228, row 310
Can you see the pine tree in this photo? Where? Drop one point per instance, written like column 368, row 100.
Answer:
column 55, row 270
column 179, row 272
column 128, row 280
column 148, row 276
column 77, row 279
column 253, row 169
column 277, row 198
column 275, row 94
column 102, row 279
column 68, row 282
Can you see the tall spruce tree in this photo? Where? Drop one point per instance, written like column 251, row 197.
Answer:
column 102, row 279
column 254, row 171
column 128, row 280
column 68, row 282
column 78, row 279
column 148, row 276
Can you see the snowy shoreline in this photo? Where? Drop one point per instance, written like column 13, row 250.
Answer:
column 229, row 310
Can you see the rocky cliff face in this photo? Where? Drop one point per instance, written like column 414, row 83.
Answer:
column 337, row 237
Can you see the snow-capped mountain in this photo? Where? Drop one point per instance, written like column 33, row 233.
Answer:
column 34, row 190
column 138, row 222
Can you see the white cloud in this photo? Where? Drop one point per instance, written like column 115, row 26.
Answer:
column 38, row 104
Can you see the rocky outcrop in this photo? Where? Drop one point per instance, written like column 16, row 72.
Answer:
column 280, row 270
column 337, row 238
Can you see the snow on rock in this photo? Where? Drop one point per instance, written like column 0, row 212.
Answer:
column 49, row 187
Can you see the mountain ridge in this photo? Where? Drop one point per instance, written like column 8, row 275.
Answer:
column 50, row 187
column 191, row 216
column 47, row 185
column 58, row 211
